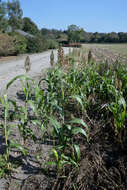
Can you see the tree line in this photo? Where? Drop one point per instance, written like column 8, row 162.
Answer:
column 13, row 42
column 77, row 34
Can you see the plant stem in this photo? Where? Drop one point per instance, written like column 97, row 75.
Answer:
column 6, row 140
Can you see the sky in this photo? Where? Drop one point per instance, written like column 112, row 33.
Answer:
column 92, row 15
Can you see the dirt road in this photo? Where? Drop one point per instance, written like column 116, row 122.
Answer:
column 10, row 69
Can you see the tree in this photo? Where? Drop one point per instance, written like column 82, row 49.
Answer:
column 75, row 33
column 30, row 27
column 51, row 33
column 2, row 10
column 15, row 14
column 35, row 45
column 62, row 37
column 3, row 19
column 122, row 37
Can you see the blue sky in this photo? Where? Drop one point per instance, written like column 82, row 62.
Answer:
column 92, row 15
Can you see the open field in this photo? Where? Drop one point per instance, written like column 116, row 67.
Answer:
column 109, row 51
column 116, row 48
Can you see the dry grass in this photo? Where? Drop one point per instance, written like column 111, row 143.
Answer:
column 115, row 48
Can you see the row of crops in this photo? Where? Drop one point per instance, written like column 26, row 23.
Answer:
column 69, row 104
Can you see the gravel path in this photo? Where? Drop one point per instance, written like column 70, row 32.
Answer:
column 10, row 69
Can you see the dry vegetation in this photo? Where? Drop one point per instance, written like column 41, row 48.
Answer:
column 113, row 51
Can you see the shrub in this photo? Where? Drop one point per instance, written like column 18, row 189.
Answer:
column 6, row 45
column 35, row 45
column 52, row 44
column 20, row 43
column 15, row 43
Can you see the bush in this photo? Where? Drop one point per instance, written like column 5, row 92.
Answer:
column 6, row 45
column 12, row 44
column 20, row 43
column 35, row 45
column 15, row 43
column 52, row 44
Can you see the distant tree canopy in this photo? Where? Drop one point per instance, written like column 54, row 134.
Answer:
column 11, row 19
column 30, row 27
column 75, row 33
column 51, row 34
column 3, row 19
column 2, row 10
column 15, row 14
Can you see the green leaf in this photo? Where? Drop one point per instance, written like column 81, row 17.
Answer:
column 51, row 163
column 39, row 124
column 76, row 130
column 14, row 104
column 77, row 151
column 78, row 99
column 11, row 126
column 55, row 124
column 5, row 97
column 39, row 156
column 55, row 154
column 1, row 101
column 63, row 156
column 69, row 127
column 63, row 162
column 18, row 77
column 73, row 163
column 123, row 115
column 79, row 121
column 58, row 108
column 32, row 105
column 122, row 102
column 24, row 88
column 23, row 109
column 19, row 146
column 36, row 122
